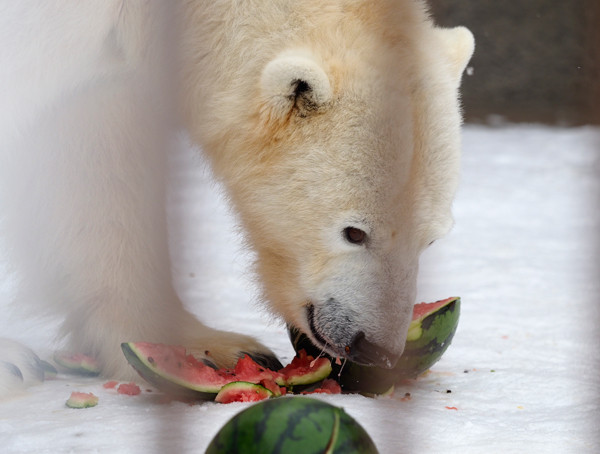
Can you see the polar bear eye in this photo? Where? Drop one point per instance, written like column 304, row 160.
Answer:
column 354, row 235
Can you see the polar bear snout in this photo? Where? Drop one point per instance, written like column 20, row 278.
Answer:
column 337, row 333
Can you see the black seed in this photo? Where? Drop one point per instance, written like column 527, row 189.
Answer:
column 150, row 360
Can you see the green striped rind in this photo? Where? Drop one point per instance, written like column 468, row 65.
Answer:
column 166, row 382
column 436, row 332
column 292, row 425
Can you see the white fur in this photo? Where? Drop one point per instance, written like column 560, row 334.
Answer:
column 89, row 105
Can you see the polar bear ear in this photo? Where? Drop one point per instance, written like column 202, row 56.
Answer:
column 459, row 45
column 295, row 82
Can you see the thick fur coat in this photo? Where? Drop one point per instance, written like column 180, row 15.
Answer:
column 334, row 125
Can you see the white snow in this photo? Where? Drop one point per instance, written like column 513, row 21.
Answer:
column 522, row 369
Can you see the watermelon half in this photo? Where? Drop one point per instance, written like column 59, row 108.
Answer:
column 430, row 332
column 292, row 425
column 176, row 372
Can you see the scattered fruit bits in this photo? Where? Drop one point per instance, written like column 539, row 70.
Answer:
column 82, row 400
column 131, row 389
column 110, row 384
column 406, row 397
column 451, row 408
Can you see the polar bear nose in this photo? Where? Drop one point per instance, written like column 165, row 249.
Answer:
column 362, row 351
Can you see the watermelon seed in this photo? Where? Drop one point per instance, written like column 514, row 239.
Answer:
column 448, row 391
column 150, row 360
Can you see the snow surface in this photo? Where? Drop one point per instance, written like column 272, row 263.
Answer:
column 520, row 376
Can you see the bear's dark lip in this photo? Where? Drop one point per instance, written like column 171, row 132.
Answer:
column 325, row 344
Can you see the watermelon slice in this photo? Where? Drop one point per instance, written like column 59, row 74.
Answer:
column 292, row 425
column 429, row 335
column 176, row 372
column 82, row 400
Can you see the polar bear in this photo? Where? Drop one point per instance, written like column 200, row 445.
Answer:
column 333, row 124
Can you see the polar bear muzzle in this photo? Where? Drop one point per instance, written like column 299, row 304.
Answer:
column 347, row 344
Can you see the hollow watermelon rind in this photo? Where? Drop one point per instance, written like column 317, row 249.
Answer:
column 292, row 424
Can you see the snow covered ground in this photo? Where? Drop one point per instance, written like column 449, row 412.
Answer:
column 522, row 374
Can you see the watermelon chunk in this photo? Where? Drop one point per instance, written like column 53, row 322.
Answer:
column 130, row 389
column 242, row 391
column 82, row 400
column 430, row 332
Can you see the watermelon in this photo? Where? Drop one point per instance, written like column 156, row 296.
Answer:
column 82, row 400
column 292, row 425
column 430, row 332
column 242, row 391
column 78, row 363
column 176, row 372
column 130, row 389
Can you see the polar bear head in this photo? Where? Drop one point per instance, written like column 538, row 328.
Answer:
column 335, row 128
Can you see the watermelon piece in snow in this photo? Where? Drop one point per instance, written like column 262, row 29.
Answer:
column 430, row 332
column 130, row 389
column 242, row 391
column 82, row 400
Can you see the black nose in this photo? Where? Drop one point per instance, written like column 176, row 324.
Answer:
column 363, row 352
